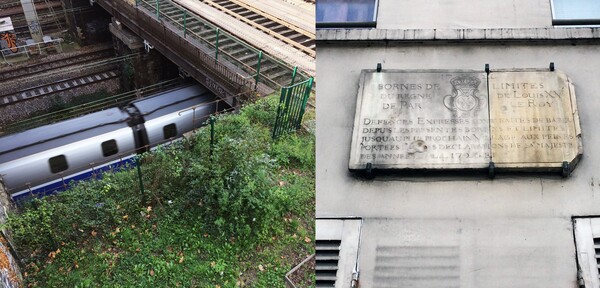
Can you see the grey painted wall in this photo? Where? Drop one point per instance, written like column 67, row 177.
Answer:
column 513, row 231
column 430, row 14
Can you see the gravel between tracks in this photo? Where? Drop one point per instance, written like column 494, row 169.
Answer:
column 22, row 110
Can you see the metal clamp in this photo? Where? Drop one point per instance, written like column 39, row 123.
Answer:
column 566, row 169
column 492, row 170
column 551, row 66
column 378, row 67
column 369, row 171
column 487, row 69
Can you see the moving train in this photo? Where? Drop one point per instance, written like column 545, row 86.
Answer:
column 43, row 160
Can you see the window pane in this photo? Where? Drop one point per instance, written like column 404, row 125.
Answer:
column 58, row 164
column 170, row 131
column 109, row 148
column 576, row 9
column 341, row 11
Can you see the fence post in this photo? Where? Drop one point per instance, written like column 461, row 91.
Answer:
column 257, row 70
column 157, row 11
column 217, row 46
column 184, row 23
column 277, row 120
column 139, row 172
column 294, row 75
column 212, row 133
column 305, row 99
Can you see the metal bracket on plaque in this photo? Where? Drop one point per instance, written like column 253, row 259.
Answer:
column 492, row 170
column 378, row 67
column 369, row 171
column 566, row 169
column 487, row 69
column 551, row 66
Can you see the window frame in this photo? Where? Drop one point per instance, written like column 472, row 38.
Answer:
column 53, row 168
column 585, row 229
column 571, row 21
column 358, row 24
column 105, row 152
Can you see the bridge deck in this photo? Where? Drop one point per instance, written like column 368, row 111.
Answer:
column 296, row 15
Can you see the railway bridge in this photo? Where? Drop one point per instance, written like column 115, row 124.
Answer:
column 224, row 63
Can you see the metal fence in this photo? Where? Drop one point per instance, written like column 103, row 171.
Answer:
column 32, row 49
column 292, row 105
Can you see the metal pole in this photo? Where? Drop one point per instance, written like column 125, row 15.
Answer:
column 157, row 11
column 294, row 75
column 139, row 170
column 184, row 23
column 257, row 70
column 306, row 95
column 212, row 133
column 217, row 45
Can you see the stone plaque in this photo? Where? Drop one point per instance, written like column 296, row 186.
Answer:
column 534, row 120
column 421, row 120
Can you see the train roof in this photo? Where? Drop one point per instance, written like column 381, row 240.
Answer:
column 54, row 135
column 173, row 101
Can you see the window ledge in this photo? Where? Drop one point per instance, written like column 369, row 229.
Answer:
column 420, row 35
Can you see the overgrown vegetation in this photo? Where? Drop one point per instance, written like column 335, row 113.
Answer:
column 242, row 217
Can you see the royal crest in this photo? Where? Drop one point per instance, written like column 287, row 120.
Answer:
column 464, row 94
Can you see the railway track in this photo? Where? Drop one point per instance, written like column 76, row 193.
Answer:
column 67, row 84
column 273, row 72
column 74, row 60
column 275, row 26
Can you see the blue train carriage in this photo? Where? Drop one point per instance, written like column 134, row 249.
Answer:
column 44, row 160
column 168, row 116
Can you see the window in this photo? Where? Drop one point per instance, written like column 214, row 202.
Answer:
column 109, row 148
column 170, row 131
column 58, row 164
column 346, row 13
column 575, row 12
column 587, row 238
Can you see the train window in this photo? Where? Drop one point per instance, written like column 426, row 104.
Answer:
column 58, row 164
column 170, row 131
column 109, row 148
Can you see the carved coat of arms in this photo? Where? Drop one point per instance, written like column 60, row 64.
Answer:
column 464, row 94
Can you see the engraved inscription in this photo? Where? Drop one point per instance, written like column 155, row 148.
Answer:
column 531, row 118
column 421, row 120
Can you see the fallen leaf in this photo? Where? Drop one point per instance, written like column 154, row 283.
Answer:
column 261, row 268
column 94, row 233
column 126, row 217
column 181, row 259
column 307, row 240
column 149, row 209
column 151, row 272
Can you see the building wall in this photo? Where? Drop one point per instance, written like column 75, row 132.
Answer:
column 432, row 14
column 513, row 231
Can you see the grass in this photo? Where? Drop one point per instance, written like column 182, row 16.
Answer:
column 242, row 217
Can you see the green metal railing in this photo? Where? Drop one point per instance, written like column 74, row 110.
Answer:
column 221, row 44
column 292, row 105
